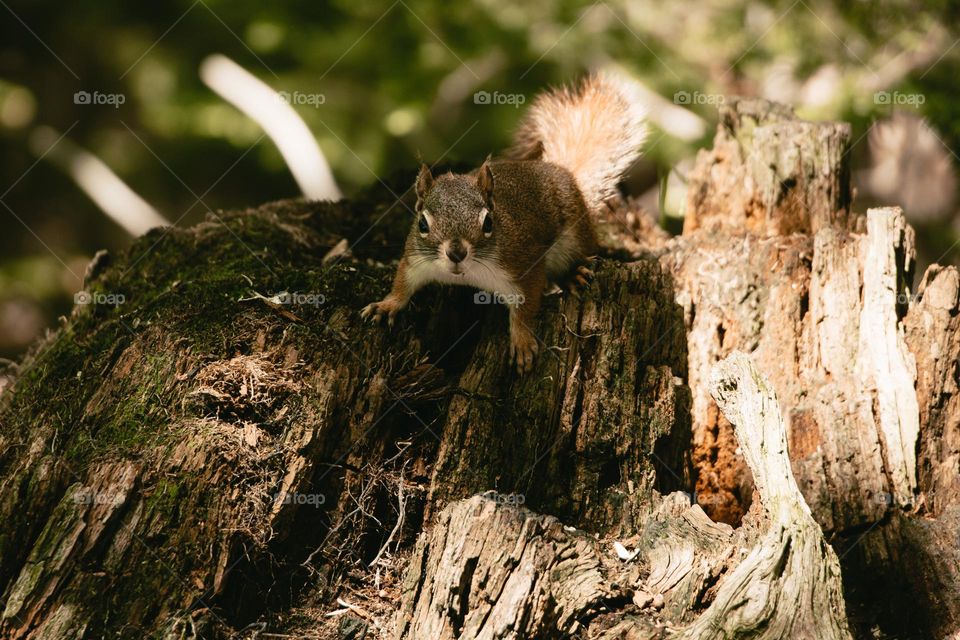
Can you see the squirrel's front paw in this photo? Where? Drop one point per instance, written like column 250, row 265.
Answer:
column 579, row 280
column 388, row 307
column 523, row 347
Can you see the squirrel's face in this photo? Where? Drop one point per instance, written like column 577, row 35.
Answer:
column 456, row 223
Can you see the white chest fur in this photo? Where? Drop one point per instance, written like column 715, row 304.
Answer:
column 480, row 274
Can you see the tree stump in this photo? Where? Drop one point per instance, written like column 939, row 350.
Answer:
column 490, row 570
column 865, row 369
column 217, row 446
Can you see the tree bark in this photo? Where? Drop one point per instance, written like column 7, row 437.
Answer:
column 493, row 570
column 865, row 370
column 217, row 446
column 204, row 450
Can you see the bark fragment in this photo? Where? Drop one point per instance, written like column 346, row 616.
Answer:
column 489, row 570
column 789, row 585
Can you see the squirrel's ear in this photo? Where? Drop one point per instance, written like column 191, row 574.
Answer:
column 424, row 182
column 485, row 183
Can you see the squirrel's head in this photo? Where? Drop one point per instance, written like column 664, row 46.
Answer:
column 456, row 221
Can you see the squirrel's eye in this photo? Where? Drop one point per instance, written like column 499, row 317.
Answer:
column 423, row 225
column 487, row 223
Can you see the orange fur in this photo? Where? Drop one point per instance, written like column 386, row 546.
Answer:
column 594, row 131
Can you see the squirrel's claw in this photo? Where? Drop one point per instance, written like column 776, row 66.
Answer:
column 579, row 279
column 523, row 348
column 371, row 312
column 376, row 311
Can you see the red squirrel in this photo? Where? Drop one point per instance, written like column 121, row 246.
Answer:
column 515, row 224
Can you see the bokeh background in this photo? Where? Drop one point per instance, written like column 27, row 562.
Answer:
column 382, row 84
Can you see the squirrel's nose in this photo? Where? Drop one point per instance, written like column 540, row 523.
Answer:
column 456, row 252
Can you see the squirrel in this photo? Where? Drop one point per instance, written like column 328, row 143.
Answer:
column 515, row 224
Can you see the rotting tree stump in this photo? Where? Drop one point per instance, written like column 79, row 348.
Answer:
column 204, row 453
column 865, row 364
column 230, row 452
column 498, row 571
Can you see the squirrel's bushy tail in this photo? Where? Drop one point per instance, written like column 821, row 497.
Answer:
column 593, row 130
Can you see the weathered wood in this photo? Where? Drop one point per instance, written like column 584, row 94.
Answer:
column 865, row 370
column 606, row 401
column 904, row 576
column 819, row 310
column 932, row 326
column 263, row 440
column 487, row 570
column 885, row 365
column 738, row 292
column 211, row 454
column 683, row 554
column 789, row 585
column 769, row 173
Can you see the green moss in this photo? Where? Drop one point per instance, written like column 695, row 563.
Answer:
column 166, row 495
column 188, row 284
column 110, row 383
